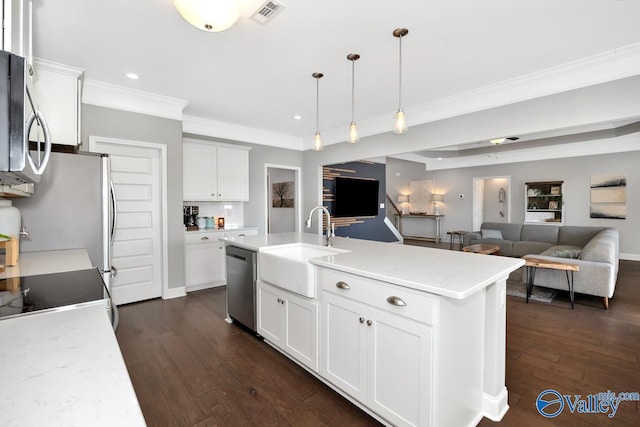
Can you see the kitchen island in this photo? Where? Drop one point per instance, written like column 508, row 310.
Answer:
column 413, row 335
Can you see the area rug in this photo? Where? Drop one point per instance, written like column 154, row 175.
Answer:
column 516, row 288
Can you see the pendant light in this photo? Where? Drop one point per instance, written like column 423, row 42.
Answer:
column 317, row 140
column 353, row 127
column 400, row 120
column 207, row 15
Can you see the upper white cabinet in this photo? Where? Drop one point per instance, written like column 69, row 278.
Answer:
column 215, row 171
column 57, row 94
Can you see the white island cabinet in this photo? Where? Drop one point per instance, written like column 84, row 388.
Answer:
column 414, row 336
column 289, row 322
column 381, row 358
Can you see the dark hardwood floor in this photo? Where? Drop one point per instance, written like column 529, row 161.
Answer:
column 190, row 368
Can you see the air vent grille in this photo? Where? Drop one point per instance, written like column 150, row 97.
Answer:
column 267, row 11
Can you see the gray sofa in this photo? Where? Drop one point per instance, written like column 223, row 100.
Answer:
column 594, row 249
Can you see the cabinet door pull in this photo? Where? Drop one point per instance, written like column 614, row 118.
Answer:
column 361, row 320
column 342, row 285
column 369, row 322
column 204, row 238
column 396, row 301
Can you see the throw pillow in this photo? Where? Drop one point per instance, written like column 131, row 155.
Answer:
column 563, row 251
column 491, row 234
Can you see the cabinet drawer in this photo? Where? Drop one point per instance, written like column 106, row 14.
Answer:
column 419, row 306
column 197, row 238
column 238, row 233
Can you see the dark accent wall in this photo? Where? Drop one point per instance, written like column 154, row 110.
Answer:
column 369, row 228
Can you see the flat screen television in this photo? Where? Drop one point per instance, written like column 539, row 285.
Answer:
column 356, row 197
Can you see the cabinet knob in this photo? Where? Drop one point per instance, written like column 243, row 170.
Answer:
column 342, row 285
column 204, row 238
column 281, row 301
column 396, row 301
column 369, row 322
column 361, row 320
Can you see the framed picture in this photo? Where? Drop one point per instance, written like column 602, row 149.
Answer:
column 555, row 190
column 553, row 205
column 282, row 194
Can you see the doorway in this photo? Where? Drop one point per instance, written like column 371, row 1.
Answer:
column 283, row 199
column 139, row 252
column 491, row 200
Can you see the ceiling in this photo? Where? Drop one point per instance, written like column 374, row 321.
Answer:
column 259, row 76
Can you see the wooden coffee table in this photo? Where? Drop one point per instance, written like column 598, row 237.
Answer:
column 482, row 248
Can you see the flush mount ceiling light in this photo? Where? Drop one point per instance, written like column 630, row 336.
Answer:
column 400, row 125
column 353, row 127
column 317, row 140
column 208, row 15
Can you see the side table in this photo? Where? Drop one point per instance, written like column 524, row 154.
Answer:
column 456, row 235
column 533, row 263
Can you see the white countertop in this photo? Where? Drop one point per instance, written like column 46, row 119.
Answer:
column 64, row 368
column 452, row 274
column 45, row 262
column 221, row 230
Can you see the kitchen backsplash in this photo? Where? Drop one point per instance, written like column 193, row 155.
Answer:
column 232, row 212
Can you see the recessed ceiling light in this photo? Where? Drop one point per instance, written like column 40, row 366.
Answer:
column 497, row 141
column 297, row 117
column 439, row 158
column 133, row 76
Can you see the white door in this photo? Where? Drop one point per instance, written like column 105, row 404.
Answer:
column 137, row 248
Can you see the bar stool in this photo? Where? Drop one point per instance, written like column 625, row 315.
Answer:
column 456, row 235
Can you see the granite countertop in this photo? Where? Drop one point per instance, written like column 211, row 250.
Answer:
column 45, row 262
column 64, row 368
column 452, row 274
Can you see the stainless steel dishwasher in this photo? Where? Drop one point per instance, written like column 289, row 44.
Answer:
column 241, row 286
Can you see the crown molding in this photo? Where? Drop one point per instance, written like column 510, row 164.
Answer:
column 601, row 68
column 43, row 64
column 621, row 144
column 136, row 101
column 206, row 127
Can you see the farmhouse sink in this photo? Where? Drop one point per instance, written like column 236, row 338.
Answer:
column 288, row 267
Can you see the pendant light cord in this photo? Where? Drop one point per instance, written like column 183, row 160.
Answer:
column 400, row 76
column 353, row 91
column 317, row 104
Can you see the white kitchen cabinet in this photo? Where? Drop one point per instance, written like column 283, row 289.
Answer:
column 380, row 358
column 204, row 261
column 204, row 254
column 57, row 94
column 215, row 171
column 289, row 322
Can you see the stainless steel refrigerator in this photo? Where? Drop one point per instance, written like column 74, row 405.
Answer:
column 72, row 207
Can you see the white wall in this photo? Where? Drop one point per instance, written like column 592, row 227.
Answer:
column 491, row 203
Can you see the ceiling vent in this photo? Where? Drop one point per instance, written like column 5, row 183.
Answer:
column 267, row 11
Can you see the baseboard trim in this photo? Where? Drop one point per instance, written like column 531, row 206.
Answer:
column 175, row 293
column 494, row 407
column 630, row 257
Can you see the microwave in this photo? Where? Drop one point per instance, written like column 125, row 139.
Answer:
column 17, row 116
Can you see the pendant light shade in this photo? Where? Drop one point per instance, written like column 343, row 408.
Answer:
column 353, row 127
column 400, row 124
column 317, row 140
column 209, row 15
